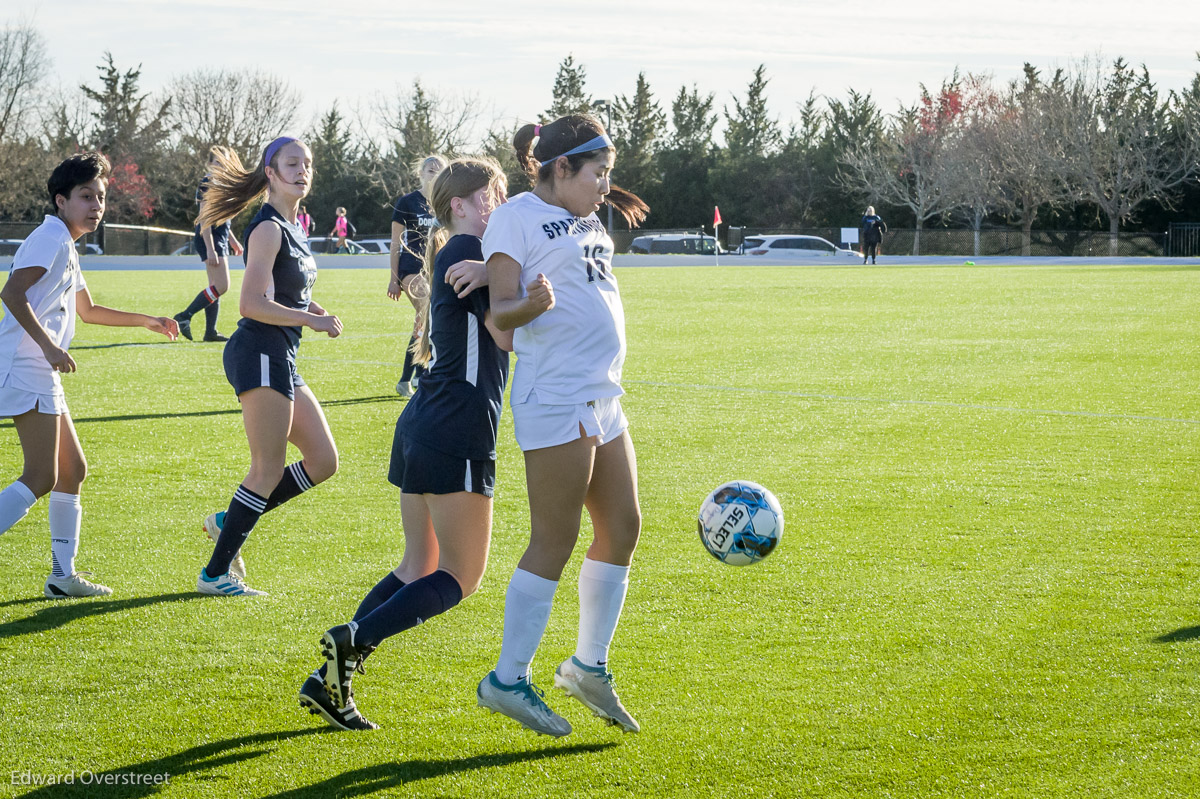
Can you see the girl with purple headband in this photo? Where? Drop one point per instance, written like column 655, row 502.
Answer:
column 550, row 278
column 260, row 358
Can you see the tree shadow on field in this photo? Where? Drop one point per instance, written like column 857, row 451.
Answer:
column 59, row 612
column 382, row 776
column 1177, row 636
column 137, row 779
column 137, row 417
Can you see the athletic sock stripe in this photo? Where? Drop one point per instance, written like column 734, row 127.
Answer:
column 251, row 501
column 300, row 476
column 211, row 293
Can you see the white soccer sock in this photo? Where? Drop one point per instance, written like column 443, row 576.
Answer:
column 15, row 502
column 602, row 589
column 526, row 613
column 65, row 516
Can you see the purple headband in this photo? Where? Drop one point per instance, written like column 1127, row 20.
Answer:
column 273, row 148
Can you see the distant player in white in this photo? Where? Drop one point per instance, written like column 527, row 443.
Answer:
column 549, row 263
column 45, row 290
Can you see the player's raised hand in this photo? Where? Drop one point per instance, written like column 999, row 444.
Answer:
column 540, row 293
column 60, row 360
column 327, row 324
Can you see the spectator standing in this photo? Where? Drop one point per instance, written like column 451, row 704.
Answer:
column 871, row 230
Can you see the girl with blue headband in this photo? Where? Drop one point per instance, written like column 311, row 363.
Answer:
column 550, row 278
column 260, row 358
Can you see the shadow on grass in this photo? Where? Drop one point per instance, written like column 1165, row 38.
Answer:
column 134, row 417
column 124, row 344
column 1175, row 636
column 59, row 612
column 382, row 776
column 119, row 783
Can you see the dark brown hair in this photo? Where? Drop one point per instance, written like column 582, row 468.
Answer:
column 561, row 136
column 75, row 171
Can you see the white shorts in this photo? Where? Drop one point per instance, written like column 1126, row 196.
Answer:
column 15, row 401
column 538, row 426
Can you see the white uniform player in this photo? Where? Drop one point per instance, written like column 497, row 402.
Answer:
column 26, row 378
column 569, row 359
column 44, row 292
column 549, row 264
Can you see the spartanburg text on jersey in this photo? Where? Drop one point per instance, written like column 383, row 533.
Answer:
column 574, row 352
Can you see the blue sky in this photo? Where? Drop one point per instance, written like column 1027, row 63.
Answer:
column 505, row 54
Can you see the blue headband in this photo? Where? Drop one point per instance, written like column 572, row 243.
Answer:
column 599, row 143
column 273, row 148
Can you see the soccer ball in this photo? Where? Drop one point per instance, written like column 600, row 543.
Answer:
column 740, row 523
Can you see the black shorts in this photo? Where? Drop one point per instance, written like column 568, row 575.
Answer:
column 254, row 364
column 220, row 235
column 418, row 469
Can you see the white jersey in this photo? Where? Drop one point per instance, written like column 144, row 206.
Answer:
column 22, row 364
column 574, row 352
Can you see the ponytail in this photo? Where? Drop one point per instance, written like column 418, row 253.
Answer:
column 560, row 137
column 422, row 348
column 232, row 186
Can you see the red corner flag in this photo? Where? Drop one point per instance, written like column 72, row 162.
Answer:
column 716, row 215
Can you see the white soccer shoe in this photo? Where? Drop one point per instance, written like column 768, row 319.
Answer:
column 73, row 586
column 225, row 585
column 212, row 526
column 522, row 703
column 593, row 686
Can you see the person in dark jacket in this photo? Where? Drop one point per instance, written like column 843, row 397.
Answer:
column 871, row 230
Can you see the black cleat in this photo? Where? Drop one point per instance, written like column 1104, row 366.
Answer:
column 342, row 660
column 314, row 699
column 185, row 325
column 212, row 335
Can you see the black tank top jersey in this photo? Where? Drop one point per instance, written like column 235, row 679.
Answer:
column 457, row 408
column 220, row 232
column 412, row 211
column 292, row 276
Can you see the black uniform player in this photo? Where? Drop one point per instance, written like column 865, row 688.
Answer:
column 213, row 243
column 444, row 451
column 260, row 358
column 412, row 220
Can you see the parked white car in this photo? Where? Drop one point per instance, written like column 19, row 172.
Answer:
column 795, row 246
column 674, row 244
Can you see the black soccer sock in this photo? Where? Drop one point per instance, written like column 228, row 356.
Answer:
column 416, row 602
column 382, row 592
column 407, row 373
column 243, row 513
column 295, row 481
column 210, row 315
column 203, row 300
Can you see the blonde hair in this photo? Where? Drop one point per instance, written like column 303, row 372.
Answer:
column 461, row 177
column 232, row 187
column 419, row 166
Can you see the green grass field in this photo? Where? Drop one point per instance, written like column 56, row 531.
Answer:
column 987, row 584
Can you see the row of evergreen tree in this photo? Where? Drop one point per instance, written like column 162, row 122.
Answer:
column 683, row 156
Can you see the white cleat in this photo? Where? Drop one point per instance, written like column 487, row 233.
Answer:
column 212, row 526
column 522, row 703
column 225, row 585
column 73, row 586
column 593, row 687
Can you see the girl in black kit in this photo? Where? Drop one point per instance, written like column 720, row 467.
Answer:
column 213, row 243
column 411, row 222
column 260, row 358
column 444, row 452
